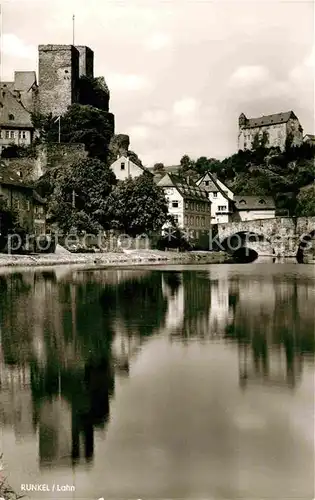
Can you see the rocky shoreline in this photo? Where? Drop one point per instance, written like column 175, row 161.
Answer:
column 109, row 259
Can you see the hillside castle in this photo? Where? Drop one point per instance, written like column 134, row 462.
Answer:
column 275, row 130
column 65, row 77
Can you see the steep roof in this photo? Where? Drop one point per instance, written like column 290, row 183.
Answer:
column 213, row 184
column 187, row 190
column 24, row 80
column 269, row 119
column 11, row 105
column 309, row 137
column 9, row 177
column 254, row 203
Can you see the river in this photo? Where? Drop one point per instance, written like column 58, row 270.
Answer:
column 169, row 382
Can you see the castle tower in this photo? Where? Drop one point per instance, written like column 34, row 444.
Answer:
column 59, row 68
column 242, row 120
column 86, row 61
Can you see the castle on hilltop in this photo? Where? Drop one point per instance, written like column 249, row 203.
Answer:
column 65, row 72
column 275, row 130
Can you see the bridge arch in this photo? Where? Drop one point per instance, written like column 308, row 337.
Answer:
column 247, row 246
column 306, row 243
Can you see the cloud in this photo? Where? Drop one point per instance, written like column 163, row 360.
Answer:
column 15, row 47
column 249, row 75
column 138, row 132
column 185, row 107
column 157, row 117
column 129, row 82
column 158, row 41
column 310, row 59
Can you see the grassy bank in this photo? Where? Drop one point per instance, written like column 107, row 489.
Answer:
column 114, row 259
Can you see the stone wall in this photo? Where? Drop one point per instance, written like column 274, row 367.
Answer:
column 119, row 146
column 58, row 68
column 86, row 61
column 50, row 156
column 295, row 130
column 283, row 233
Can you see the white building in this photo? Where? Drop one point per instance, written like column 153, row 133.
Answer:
column 254, row 207
column 220, row 195
column 124, row 167
column 227, row 207
column 188, row 204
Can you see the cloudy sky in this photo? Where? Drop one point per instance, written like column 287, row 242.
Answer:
column 180, row 71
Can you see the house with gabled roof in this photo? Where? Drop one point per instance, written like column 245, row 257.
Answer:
column 16, row 125
column 220, row 196
column 227, row 207
column 253, row 208
column 124, row 167
column 309, row 139
column 188, row 204
column 275, row 130
column 19, row 196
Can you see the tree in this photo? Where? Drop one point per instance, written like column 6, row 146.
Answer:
column 80, row 124
column 137, row 206
column 159, row 168
column 306, row 201
column 186, row 163
column 204, row 164
column 78, row 194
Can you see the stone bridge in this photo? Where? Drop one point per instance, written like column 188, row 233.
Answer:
column 281, row 236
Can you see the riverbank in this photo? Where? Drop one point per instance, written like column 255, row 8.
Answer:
column 110, row 259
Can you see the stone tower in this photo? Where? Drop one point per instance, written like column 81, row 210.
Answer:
column 86, row 61
column 242, row 120
column 58, row 71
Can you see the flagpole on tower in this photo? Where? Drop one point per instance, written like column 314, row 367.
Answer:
column 73, row 29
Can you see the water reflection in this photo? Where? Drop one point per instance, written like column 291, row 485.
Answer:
column 66, row 338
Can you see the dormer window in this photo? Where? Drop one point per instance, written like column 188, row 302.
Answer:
column 215, row 194
column 262, row 202
column 11, row 117
column 242, row 202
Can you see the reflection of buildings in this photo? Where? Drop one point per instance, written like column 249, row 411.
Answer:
column 16, row 403
column 64, row 341
column 125, row 346
column 263, row 364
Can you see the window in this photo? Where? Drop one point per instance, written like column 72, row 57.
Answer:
column 7, row 134
column 28, row 206
column 22, row 134
column 262, row 202
column 122, row 166
column 221, row 208
column 191, row 220
column 12, row 134
column 215, row 194
column 206, row 183
column 186, row 205
column 17, row 204
column 203, row 221
column 242, row 202
column 175, row 204
column 186, row 219
column 197, row 221
column 175, row 217
column 39, row 209
column 11, row 117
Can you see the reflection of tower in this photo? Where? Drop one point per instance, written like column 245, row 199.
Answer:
column 55, row 432
column 174, row 317
column 219, row 313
